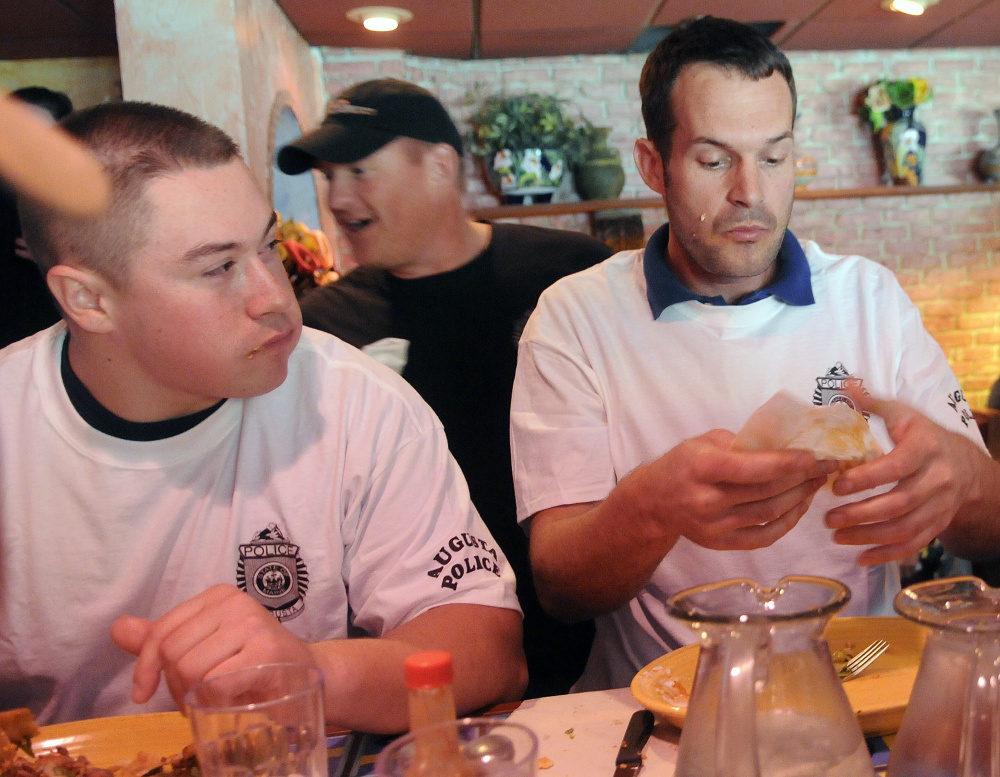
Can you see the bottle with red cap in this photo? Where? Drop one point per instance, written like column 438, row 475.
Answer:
column 431, row 701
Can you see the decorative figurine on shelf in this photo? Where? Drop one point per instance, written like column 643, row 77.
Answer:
column 988, row 163
column 889, row 108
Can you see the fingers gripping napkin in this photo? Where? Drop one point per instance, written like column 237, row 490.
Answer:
column 834, row 432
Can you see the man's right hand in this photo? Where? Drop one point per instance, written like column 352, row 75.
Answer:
column 724, row 499
column 217, row 631
column 702, row 490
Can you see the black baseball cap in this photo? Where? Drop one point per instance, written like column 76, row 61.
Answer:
column 365, row 117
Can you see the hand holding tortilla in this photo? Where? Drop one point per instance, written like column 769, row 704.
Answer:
column 44, row 163
column 943, row 484
column 834, row 432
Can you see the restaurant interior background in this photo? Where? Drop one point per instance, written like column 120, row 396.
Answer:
column 244, row 65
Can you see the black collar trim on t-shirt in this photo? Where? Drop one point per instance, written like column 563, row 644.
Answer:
column 103, row 420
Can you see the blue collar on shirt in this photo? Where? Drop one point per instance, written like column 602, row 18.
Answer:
column 792, row 283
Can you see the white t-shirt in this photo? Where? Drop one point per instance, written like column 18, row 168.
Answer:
column 602, row 388
column 333, row 500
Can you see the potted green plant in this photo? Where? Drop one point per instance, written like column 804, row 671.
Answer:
column 526, row 143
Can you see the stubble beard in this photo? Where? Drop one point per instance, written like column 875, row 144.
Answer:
column 730, row 259
column 733, row 260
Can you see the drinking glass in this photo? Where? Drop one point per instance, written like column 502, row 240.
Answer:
column 263, row 721
column 480, row 747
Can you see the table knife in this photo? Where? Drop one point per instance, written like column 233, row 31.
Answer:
column 629, row 760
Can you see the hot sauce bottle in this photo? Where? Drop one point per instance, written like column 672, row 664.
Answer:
column 431, row 701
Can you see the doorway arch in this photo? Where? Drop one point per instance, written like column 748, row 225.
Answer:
column 294, row 196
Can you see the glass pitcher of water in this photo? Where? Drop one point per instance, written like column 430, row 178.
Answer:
column 951, row 727
column 766, row 700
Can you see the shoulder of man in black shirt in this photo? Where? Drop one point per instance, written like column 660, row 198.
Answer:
column 357, row 308
column 546, row 252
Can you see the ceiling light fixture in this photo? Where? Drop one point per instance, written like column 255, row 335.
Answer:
column 379, row 18
column 911, row 7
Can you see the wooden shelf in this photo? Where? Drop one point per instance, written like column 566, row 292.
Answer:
column 562, row 208
column 893, row 191
column 589, row 206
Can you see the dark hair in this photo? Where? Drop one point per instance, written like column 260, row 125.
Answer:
column 136, row 142
column 721, row 42
column 56, row 103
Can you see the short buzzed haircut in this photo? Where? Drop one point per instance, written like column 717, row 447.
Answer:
column 722, row 42
column 135, row 142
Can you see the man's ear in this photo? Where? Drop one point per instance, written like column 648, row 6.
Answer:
column 441, row 162
column 83, row 295
column 650, row 165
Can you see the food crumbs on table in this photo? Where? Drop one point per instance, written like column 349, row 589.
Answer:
column 545, row 763
column 569, row 733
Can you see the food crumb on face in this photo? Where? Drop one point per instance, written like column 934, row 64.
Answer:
column 569, row 733
column 545, row 763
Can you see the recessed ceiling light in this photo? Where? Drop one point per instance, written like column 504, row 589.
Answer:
column 379, row 18
column 911, row 7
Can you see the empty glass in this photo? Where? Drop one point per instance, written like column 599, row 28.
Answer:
column 951, row 727
column 766, row 699
column 264, row 721
column 487, row 747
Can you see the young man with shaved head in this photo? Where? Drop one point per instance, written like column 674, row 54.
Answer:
column 190, row 482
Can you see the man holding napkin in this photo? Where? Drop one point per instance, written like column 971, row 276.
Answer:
column 633, row 377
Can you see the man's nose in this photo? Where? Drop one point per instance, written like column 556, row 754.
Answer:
column 745, row 187
column 268, row 288
column 341, row 190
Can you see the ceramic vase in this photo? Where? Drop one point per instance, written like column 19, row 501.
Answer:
column 988, row 163
column 904, row 148
column 528, row 176
column 600, row 175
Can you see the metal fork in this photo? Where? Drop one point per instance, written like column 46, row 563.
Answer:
column 863, row 660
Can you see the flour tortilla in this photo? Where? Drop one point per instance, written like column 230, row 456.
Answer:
column 834, row 432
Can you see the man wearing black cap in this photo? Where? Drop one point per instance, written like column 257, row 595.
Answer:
column 450, row 294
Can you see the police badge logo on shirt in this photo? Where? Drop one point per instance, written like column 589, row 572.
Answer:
column 271, row 570
column 832, row 388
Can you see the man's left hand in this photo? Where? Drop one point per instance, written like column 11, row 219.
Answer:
column 936, row 472
column 219, row 630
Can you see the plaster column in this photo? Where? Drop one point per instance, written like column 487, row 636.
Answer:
column 234, row 63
